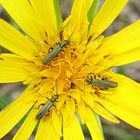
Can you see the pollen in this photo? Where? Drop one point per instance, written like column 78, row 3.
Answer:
column 71, row 69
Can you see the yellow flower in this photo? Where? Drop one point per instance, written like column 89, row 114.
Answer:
column 78, row 81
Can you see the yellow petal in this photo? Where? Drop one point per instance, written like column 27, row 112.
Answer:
column 76, row 10
column 46, row 130
column 60, row 85
column 125, row 40
column 81, row 111
column 93, row 46
column 13, row 113
column 127, row 57
column 88, row 4
column 18, row 62
column 10, row 73
column 27, row 127
column 79, row 60
column 93, row 125
column 106, row 15
column 42, row 131
column 45, row 11
column 8, row 57
column 44, row 87
column 26, row 19
column 14, row 71
column 15, row 42
column 104, row 113
column 88, row 98
column 70, row 107
column 61, row 101
column 76, row 95
column 83, row 23
column 124, row 102
column 77, row 29
column 57, row 122
column 51, row 72
column 72, row 131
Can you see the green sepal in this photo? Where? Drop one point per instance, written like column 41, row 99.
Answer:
column 58, row 13
column 93, row 11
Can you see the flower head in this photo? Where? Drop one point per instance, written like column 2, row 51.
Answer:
column 67, row 67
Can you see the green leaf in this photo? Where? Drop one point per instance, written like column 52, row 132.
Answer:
column 122, row 69
column 58, row 13
column 3, row 102
column 93, row 10
column 118, row 133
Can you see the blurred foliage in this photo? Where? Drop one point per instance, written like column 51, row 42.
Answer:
column 111, row 131
column 3, row 101
column 114, row 133
column 93, row 11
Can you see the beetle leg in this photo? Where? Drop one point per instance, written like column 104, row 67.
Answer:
column 50, row 49
column 40, row 105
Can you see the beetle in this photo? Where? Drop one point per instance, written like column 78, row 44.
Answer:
column 57, row 49
column 54, row 53
column 46, row 107
column 101, row 83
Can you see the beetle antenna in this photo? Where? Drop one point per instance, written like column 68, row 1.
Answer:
column 72, row 32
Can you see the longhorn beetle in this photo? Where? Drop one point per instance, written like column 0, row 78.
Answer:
column 46, row 108
column 103, row 83
column 56, row 50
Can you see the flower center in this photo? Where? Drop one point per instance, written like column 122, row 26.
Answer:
column 70, row 70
